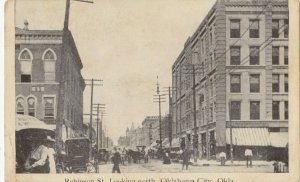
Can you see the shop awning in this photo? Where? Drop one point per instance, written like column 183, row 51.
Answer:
column 279, row 139
column 28, row 122
column 249, row 136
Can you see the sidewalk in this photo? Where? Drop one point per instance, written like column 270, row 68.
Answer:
column 203, row 162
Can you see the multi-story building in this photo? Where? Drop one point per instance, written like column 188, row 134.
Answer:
column 151, row 127
column 239, row 57
column 38, row 74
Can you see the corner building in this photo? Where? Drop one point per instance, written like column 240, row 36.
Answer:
column 239, row 55
column 38, row 74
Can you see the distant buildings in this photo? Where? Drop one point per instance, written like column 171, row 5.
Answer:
column 39, row 77
column 239, row 57
column 146, row 135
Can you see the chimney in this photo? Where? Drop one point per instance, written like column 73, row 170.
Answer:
column 25, row 25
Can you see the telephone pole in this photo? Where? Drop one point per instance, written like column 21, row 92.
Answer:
column 191, row 68
column 99, row 108
column 93, row 82
column 170, row 91
column 62, row 70
column 159, row 98
column 101, row 128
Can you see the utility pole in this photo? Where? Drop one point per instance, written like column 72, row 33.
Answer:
column 170, row 132
column 101, row 124
column 67, row 12
column 99, row 109
column 159, row 98
column 92, row 84
column 195, row 115
column 195, row 138
column 62, row 84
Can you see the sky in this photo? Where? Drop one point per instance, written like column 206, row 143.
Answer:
column 127, row 44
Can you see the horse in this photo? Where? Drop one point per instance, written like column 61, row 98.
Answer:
column 135, row 155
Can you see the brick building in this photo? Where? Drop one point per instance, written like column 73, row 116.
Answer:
column 38, row 74
column 239, row 56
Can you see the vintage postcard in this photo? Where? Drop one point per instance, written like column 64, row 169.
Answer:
column 152, row 91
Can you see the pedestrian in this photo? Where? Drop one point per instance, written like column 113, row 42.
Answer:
column 116, row 159
column 248, row 155
column 185, row 159
column 41, row 158
column 223, row 158
column 166, row 158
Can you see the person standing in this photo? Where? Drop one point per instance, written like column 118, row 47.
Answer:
column 223, row 158
column 248, row 155
column 185, row 159
column 41, row 159
column 116, row 159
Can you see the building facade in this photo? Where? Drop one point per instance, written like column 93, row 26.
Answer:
column 38, row 75
column 148, row 134
column 233, row 71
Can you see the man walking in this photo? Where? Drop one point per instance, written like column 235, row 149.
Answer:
column 248, row 155
column 116, row 159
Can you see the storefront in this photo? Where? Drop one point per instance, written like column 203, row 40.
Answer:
column 262, row 143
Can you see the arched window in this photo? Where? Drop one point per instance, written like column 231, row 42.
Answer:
column 31, row 106
column 20, row 104
column 49, row 58
column 25, row 58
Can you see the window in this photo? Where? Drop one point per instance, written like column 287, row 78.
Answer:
column 49, row 107
column 235, row 110
column 25, row 58
column 286, row 83
column 275, row 83
column 254, row 83
column 275, row 28
column 286, row 55
column 20, row 104
column 286, row 110
column 234, row 28
column 235, row 83
column 275, row 110
column 254, row 29
column 254, row 110
column 31, row 106
column 275, row 55
column 286, row 28
column 49, row 65
column 235, row 55
column 274, row 130
column 254, row 55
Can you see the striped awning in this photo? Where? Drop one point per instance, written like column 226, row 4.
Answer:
column 249, row 136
